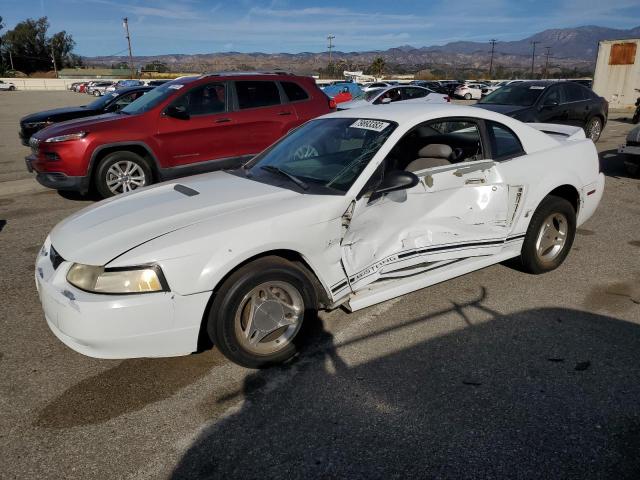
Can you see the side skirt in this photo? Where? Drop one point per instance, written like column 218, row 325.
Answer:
column 383, row 290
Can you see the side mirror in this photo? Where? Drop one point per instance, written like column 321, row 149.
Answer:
column 384, row 101
column 395, row 180
column 178, row 112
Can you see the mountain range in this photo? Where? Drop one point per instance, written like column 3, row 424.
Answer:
column 568, row 48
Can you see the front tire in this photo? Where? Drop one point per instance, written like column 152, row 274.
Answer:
column 467, row 96
column 12, row 88
column 593, row 129
column 121, row 172
column 257, row 314
column 549, row 236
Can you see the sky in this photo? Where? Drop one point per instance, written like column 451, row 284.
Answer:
column 271, row 26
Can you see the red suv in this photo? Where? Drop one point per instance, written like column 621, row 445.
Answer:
column 186, row 126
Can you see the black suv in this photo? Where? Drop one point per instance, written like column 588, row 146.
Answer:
column 567, row 103
column 110, row 102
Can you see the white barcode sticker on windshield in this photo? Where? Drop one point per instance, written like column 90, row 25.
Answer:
column 375, row 125
column 176, row 86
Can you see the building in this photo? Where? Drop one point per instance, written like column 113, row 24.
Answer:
column 618, row 72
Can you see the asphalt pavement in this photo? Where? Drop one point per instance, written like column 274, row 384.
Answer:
column 496, row 374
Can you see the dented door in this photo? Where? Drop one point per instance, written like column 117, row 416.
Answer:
column 454, row 212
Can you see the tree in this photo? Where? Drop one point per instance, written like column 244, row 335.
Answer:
column 32, row 50
column 377, row 66
column 156, row 66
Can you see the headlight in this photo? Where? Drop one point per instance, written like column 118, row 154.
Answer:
column 94, row 279
column 37, row 124
column 64, row 138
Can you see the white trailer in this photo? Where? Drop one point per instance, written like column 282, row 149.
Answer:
column 617, row 73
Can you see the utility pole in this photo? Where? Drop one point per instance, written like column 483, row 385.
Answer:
column 533, row 56
column 11, row 60
column 330, row 37
column 546, row 64
column 53, row 59
column 125, row 24
column 493, row 46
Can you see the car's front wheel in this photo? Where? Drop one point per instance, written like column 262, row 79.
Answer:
column 121, row 172
column 549, row 236
column 12, row 88
column 467, row 96
column 96, row 93
column 257, row 314
column 593, row 129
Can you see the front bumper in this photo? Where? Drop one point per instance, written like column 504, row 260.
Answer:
column 57, row 180
column 159, row 324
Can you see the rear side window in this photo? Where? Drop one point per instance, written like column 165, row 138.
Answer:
column 504, row 143
column 408, row 93
column 294, row 92
column 257, row 94
column 574, row 92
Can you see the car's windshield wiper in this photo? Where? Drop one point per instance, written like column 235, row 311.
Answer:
column 293, row 178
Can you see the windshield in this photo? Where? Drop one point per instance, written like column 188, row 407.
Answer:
column 102, row 101
column 152, row 98
column 327, row 154
column 521, row 95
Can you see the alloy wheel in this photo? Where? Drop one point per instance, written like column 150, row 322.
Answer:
column 269, row 317
column 552, row 237
column 125, row 176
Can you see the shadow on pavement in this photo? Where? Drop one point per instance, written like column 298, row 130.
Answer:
column 545, row 393
column 130, row 386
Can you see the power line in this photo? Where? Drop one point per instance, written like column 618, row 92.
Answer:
column 533, row 55
column 493, row 42
column 330, row 37
column 125, row 24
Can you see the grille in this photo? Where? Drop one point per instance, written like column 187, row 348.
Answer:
column 55, row 257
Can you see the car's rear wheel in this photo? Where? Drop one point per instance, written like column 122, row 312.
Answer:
column 12, row 88
column 467, row 96
column 593, row 129
column 257, row 314
column 549, row 236
column 96, row 93
column 121, row 172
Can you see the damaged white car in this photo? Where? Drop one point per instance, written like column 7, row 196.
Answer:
column 352, row 208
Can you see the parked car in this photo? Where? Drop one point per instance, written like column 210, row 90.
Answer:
column 565, row 103
column 352, row 209
column 402, row 94
column 100, row 88
column 469, row 91
column 343, row 92
column 156, row 83
column 111, row 102
column 492, row 88
column 125, row 84
column 631, row 151
column 73, row 87
column 431, row 85
column 189, row 125
column 375, row 86
column 82, row 87
column 7, row 86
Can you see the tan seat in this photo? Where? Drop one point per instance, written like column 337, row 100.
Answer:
column 434, row 155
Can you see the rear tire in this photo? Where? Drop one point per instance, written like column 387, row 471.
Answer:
column 467, row 96
column 549, row 236
column 257, row 315
column 593, row 129
column 12, row 88
column 121, row 172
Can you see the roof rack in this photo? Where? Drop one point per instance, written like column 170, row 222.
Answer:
column 232, row 74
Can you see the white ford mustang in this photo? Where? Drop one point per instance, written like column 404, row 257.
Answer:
column 351, row 209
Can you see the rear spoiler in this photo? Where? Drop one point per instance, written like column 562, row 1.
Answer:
column 560, row 132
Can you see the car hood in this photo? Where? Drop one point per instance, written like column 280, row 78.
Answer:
column 80, row 124
column 504, row 109
column 98, row 234
column 55, row 113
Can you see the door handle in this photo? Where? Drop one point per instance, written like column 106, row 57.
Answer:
column 284, row 113
column 473, row 181
column 223, row 120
